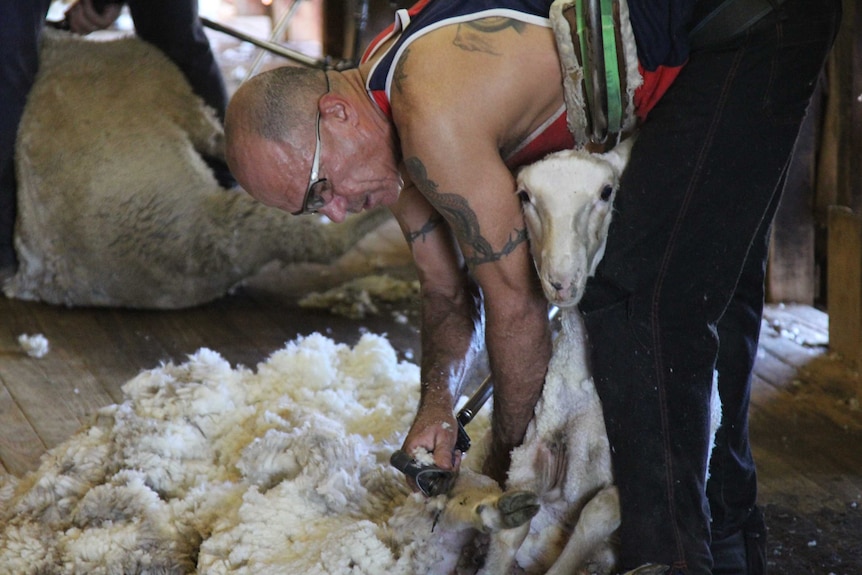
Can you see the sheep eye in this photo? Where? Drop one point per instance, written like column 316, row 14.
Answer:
column 607, row 192
column 524, row 196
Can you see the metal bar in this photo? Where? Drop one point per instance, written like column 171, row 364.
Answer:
column 266, row 45
column 274, row 36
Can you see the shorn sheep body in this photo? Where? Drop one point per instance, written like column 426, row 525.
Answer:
column 116, row 206
column 565, row 457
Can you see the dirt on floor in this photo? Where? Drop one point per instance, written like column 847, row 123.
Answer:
column 826, row 542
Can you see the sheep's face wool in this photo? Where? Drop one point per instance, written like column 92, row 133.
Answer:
column 208, row 469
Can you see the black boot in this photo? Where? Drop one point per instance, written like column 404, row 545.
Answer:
column 755, row 542
column 743, row 552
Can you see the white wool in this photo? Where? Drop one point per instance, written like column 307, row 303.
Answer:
column 34, row 345
column 423, row 456
column 279, row 470
column 356, row 298
column 28, row 547
column 8, row 484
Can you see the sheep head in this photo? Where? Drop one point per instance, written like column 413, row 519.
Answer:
column 567, row 199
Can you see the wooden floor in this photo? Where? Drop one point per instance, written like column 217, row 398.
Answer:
column 806, row 423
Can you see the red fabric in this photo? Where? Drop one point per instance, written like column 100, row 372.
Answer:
column 554, row 138
column 656, row 83
column 382, row 102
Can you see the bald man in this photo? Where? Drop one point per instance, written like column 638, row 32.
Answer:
column 456, row 96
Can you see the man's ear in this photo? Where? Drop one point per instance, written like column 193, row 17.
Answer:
column 336, row 107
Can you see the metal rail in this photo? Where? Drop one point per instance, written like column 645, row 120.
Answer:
column 304, row 59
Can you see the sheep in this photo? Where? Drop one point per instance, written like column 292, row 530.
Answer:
column 116, row 206
column 564, row 462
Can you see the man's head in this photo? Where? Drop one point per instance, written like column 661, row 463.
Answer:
column 304, row 141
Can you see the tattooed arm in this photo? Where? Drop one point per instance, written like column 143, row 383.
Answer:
column 452, row 332
column 458, row 98
column 517, row 336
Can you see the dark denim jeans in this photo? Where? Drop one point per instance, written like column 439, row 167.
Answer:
column 20, row 27
column 680, row 290
column 171, row 25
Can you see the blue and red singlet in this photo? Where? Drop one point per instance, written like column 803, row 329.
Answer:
column 429, row 15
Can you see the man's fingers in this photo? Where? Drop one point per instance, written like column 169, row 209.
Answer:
column 83, row 17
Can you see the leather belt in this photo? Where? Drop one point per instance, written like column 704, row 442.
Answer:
column 727, row 20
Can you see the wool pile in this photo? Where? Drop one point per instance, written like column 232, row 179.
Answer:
column 210, row 469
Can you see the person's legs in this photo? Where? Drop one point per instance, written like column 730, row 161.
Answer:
column 738, row 533
column 174, row 27
column 672, row 299
column 19, row 61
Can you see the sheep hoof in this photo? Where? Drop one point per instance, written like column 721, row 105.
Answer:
column 517, row 508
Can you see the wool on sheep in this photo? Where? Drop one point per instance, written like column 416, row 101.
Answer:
column 116, row 206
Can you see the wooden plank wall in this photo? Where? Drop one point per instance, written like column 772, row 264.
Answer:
column 844, row 297
column 792, row 274
column 824, row 191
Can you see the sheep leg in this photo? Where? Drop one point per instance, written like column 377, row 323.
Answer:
column 502, row 550
column 493, row 513
column 597, row 522
column 477, row 501
column 508, row 519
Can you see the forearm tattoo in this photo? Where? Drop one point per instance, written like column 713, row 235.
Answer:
column 432, row 223
column 473, row 36
column 462, row 218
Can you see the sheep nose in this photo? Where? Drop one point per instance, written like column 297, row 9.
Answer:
column 557, row 286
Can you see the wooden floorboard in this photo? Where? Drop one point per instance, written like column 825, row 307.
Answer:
column 20, row 445
column 806, row 426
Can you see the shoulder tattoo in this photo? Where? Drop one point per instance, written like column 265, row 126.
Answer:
column 456, row 210
column 475, row 36
column 399, row 75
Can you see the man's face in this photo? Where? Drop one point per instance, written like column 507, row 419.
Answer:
column 350, row 177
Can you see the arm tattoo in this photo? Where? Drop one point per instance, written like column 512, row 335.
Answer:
column 473, row 36
column 462, row 218
column 432, row 223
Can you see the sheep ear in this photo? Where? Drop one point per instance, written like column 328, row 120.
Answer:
column 618, row 157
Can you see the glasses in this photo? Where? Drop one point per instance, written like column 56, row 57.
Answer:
column 313, row 200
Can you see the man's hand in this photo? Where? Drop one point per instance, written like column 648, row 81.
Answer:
column 83, row 18
column 434, row 430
